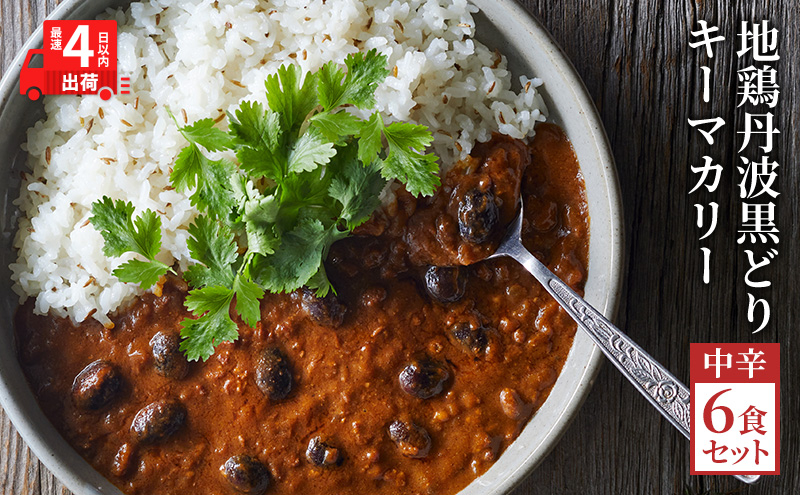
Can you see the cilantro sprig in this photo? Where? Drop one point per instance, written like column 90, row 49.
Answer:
column 309, row 172
column 122, row 234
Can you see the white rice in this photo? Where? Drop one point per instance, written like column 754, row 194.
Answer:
column 201, row 58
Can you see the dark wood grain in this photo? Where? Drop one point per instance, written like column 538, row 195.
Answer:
column 634, row 57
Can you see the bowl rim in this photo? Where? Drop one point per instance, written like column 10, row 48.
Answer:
column 43, row 445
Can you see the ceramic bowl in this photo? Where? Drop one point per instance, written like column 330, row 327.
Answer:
column 502, row 24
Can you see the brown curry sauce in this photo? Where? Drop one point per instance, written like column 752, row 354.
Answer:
column 501, row 343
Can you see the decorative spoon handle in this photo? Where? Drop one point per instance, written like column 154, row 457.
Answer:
column 654, row 381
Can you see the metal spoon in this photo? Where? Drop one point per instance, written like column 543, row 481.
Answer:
column 651, row 379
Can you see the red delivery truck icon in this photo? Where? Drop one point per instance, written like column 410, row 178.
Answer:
column 78, row 58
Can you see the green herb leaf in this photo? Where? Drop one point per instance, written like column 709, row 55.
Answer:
column 122, row 234
column 211, row 177
column 337, row 127
column 260, row 215
column 212, row 244
column 331, row 89
column 300, row 257
column 369, row 143
column 214, row 325
column 405, row 163
column 206, row 135
column 289, row 98
column 144, row 273
column 364, row 73
column 259, row 163
column 248, row 293
column 262, row 210
column 356, row 187
column 113, row 219
column 255, row 127
column 309, row 172
column 258, row 132
column 320, row 283
column 309, row 152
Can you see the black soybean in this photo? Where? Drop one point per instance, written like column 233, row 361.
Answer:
column 169, row 361
column 412, row 440
column 322, row 454
column 424, row 378
column 246, row 475
column 327, row 311
column 478, row 215
column 158, row 421
column 474, row 339
column 96, row 386
column 445, row 283
column 274, row 374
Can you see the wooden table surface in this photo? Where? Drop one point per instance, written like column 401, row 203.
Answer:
column 634, row 57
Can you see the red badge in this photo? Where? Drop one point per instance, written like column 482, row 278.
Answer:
column 78, row 58
column 735, row 408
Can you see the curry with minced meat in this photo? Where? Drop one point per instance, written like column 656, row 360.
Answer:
column 412, row 379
